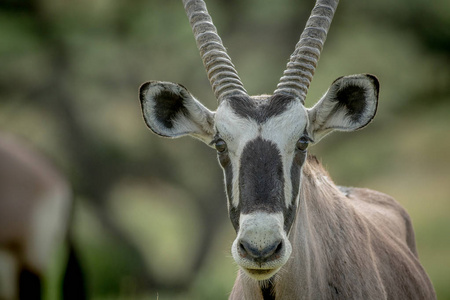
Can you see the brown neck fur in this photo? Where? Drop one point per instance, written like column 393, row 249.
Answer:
column 345, row 246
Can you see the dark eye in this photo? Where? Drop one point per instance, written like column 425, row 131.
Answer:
column 302, row 144
column 221, row 146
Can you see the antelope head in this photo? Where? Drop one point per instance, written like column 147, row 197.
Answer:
column 261, row 141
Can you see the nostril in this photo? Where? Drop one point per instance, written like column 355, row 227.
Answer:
column 245, row 249
column 270, row 252
column 242, row 250
column 279, row 248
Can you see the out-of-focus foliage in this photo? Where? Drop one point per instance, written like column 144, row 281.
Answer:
column 151, row 214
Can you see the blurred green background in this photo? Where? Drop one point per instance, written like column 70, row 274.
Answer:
column 150, row 217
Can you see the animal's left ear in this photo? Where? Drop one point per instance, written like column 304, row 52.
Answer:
column 349, row 104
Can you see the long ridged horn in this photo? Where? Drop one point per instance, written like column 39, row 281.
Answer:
column 300, row 69
column 220, row 70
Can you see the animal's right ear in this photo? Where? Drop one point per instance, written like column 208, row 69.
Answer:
column 171, row 111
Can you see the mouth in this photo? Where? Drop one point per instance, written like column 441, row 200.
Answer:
column 260, row 274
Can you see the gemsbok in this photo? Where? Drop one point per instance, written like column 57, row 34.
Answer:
column 299, row 236
column 35, row 212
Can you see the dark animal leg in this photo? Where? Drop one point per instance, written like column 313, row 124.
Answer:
column 29, row 285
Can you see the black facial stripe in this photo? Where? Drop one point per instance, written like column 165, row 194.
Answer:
column 290, row 212
column 261, row 182
column 259, row 110
column 234, row 213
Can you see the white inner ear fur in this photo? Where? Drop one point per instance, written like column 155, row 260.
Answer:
column 324, row 118
column 199, row 122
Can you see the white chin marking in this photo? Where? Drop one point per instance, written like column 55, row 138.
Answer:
column 260, row 274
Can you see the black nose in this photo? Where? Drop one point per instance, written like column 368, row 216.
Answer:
column 269, row 253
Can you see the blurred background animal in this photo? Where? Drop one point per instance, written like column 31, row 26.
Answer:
column 35, row 215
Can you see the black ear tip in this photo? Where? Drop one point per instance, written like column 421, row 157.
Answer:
column 143, row 89
column 375, row 82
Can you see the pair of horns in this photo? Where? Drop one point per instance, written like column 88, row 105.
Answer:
column 300, row 68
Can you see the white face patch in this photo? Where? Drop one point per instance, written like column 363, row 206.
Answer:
column 283, row 130
column 236, row 131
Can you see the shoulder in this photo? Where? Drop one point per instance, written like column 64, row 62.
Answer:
column 384, row 212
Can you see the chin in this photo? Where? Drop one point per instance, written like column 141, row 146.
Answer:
column 260, row 274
